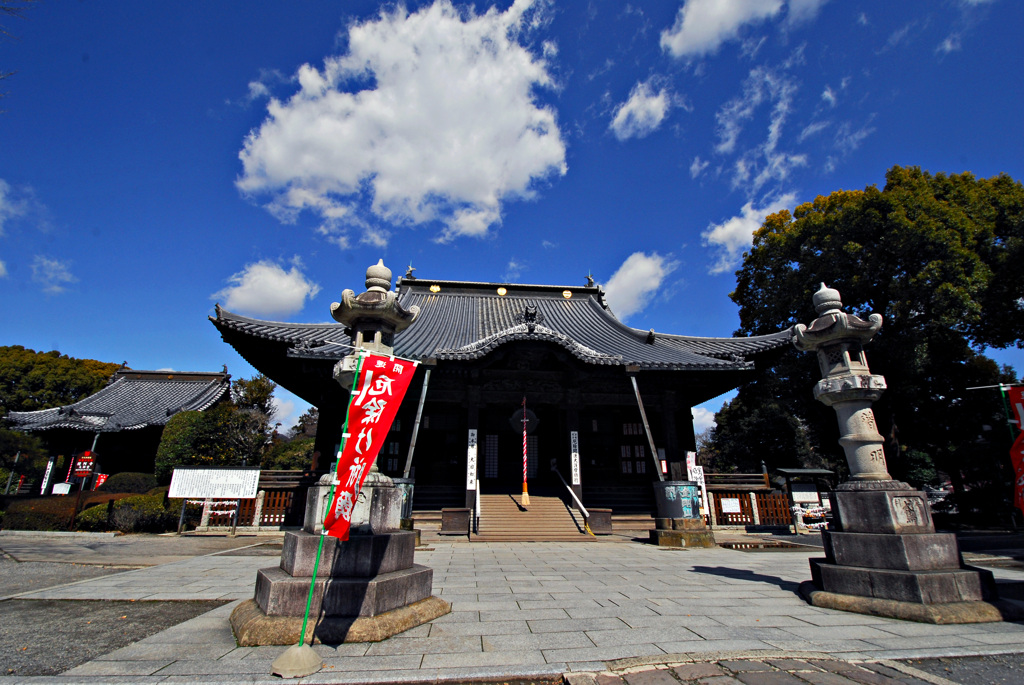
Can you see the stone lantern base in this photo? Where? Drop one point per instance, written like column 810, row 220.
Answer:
column 367, row 588
column 883, row 557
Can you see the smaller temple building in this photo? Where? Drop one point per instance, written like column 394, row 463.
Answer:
column 124, row 420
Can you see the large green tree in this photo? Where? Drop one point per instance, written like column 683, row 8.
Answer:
column 31, row 380
column 934, row 255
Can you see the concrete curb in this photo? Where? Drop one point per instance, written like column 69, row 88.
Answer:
column 54, row 534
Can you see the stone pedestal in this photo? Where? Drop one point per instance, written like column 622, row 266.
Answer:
column 367, row 588
column 883, row 557
column 681, row 532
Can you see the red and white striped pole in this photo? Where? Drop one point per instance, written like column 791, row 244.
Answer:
column 526, row 495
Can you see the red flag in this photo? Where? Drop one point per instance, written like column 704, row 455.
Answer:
column 1015, row 395
column 376, row 396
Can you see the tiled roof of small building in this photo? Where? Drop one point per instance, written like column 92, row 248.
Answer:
column 462, row 321
column 132, row 400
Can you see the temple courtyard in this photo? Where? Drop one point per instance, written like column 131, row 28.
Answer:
column 528, row 612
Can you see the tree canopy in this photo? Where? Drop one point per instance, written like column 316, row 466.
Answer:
column 31, row 380
column 228, row 434
column 934, row 255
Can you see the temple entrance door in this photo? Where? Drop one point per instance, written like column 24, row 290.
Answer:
column 501, row 451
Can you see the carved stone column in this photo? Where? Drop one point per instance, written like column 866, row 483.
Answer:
column 882, row 554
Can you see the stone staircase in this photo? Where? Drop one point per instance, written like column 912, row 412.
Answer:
column 547, row 519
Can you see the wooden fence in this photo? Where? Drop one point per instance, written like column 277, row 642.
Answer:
column 755, row 508
column 280, row 502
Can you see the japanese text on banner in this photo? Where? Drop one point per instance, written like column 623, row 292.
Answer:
column 1016, row 398
column 376, row 396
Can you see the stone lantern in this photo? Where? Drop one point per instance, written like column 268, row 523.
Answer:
column 367, row 588
column 882, row 554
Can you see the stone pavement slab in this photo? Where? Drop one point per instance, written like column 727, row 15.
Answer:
column 631, row 601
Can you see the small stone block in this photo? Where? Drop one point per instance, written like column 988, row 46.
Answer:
column 882, row 511
column 740, row 666
column 680, row 538
column 279, row 594
column 689, row 524
column 252, row 627
column 360, row 555
column 455, row 521
column 911, row 552
column 650, row 677
column 600, row 521
column 769, row 678
column 694, row 671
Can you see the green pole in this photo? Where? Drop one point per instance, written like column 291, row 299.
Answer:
column 330, row 497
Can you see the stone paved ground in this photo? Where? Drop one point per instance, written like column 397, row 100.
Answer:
column 531, row 612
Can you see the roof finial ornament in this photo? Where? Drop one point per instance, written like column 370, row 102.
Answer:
column 590, row 280
column 826, row 300
column 408, row 272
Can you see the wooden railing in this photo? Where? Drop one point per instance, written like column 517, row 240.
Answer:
column 755, row 508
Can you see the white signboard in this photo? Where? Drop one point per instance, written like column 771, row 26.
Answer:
column 696, row 474
column 471, row 461
column 691, row 463
column 731, row 505
column 46, row 476
column 805, row 493
column 574, row 442
column 226, row 482
column 61, row 488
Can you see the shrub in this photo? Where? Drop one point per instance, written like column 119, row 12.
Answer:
column 93, row 519
column 142, row 514
column 130, row 481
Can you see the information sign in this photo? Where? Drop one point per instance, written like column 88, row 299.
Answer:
column 226, row 482
column 731, row 505
column 574, row 443
column 805, row 493
column 61, row 488
column 84, row 465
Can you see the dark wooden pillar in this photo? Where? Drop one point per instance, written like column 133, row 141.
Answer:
column 676, row 458
column 572, row 416
column 328, row 436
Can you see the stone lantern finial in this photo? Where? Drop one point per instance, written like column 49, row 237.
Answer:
column 378, row 278
column 826, row 300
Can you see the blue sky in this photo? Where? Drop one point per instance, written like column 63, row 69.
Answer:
column 157, row 158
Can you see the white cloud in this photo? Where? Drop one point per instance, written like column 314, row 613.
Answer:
column 3, row 269
column 702, row 419
column 803, row 10
column 733, row 236
column 763, row 162
column 513, row 270
column 812, row 129
column 829, row 96
column 697, row 166
column 950, row 44
column 642, row 113
column 640, row 275
column 701, row 26
column 12, row 204
column 428, row 117
column 52, row 274
column 265, row 289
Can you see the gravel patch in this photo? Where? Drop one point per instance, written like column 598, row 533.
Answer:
column 47, row 637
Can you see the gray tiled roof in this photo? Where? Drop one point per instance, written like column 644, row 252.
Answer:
column 462, row 321
column 133, row 399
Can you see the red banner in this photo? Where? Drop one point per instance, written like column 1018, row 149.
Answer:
column 1016, row 397
column 380, row 386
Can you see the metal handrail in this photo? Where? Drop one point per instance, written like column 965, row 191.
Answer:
column 583, row 510
column 476, row 512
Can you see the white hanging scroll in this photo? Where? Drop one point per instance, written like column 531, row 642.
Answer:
column 574, row 442
column 471, row 461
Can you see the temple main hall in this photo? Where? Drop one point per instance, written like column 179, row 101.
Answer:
column 584, row 376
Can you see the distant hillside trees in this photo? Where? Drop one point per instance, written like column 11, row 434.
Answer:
column 31, row 380
column 938, row 256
